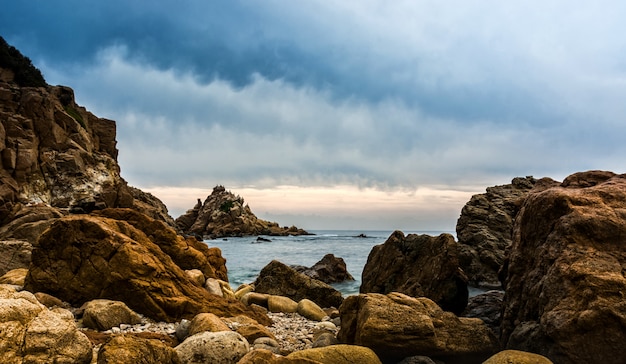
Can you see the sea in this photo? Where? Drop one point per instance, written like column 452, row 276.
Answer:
column 246, row 256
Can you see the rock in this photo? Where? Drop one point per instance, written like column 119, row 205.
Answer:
column 254, row 331
column 264, row 356
column 254, row 298
column 187, row 253
column 517, row 357
column 329, row 269
column 396, row 326
column 104, row 314
column 325, row 338
column 50, row 301
column 224, row 214
column 82, row 257
column 242, row 290
column 484, row 230
column 14, row 254
column 27, row 223
column 487, row 307
column 281, row 304
column 279, row 279
column 224, row 347
column 206, row 322
column 149, row 205
column 131, row 349
column 212, row 285
column 419, row 266
column 182, row 330
column 196, row 276
column 337, row 354
column 565, row 283
column 31, row 333
column 15, row 277
column 310, row 310
column 267, row 343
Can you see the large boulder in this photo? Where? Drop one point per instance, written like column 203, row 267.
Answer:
column 279, row 279
column 565, row 285
column 81, row 258
column 188, row 253
column 419, row 266
column 396, row 326
column 484, row 230
column 488, row 307
column 329, row 269
column 31, row 333
column 132, row 349
column 224, row 214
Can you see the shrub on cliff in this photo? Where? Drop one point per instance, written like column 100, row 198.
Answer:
column 26, row 75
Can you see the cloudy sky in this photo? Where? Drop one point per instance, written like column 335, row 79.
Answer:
column 359, row 114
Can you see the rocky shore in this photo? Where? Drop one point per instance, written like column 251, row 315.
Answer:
column 95, row 271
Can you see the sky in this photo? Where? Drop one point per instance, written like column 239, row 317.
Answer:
column 356, row 114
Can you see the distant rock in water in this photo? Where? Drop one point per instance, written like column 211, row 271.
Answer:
column 224, row 214
column 329, row 269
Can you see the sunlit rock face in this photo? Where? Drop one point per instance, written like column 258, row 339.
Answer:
column 565, row 285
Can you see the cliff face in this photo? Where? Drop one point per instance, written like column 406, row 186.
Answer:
column 55, row 153
column 224, row 214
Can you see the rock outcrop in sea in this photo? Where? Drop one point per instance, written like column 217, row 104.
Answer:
column 223, row 214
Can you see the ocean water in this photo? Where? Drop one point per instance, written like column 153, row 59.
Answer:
column 245, row 257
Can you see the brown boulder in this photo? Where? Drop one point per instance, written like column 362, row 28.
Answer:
column 80, row 258
column 565, row 286
column 279, row 279
column 329, row 269
column 337, row 354
column 15, row 277
column 419, row 266
column 484, row 230
column 517, row 357
column 396, row 326
column 105, row 314
column 206, row 322
column 132, row 349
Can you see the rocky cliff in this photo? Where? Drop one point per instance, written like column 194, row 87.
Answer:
column 55, row 153
column 224, row 214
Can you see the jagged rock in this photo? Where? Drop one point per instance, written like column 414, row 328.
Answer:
column 484, row 230
column 131, row 349
column 419, row 266
column 337, row 354
column 329, row 269
column 54, row 152
column 14, row 254
column 279, row 279
column 31, row 333
column 151, row 206
column 517, row 357
column 104, row 314
column 396, row 326
column 565, row 285
column 81, row 257
column 29, row 222
column 224, row 347
column 224, row 214
column 487, row 307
